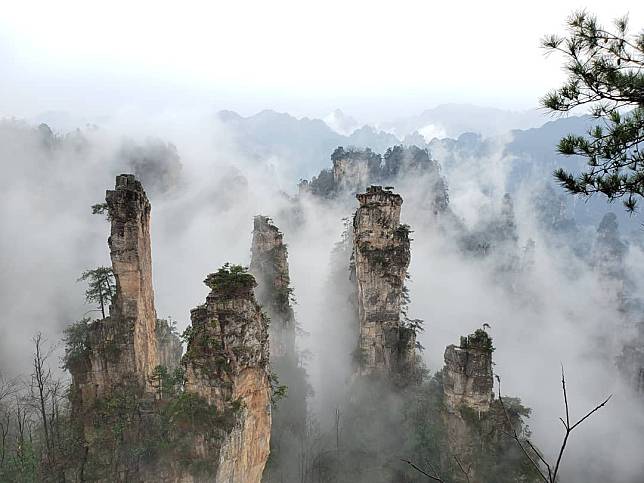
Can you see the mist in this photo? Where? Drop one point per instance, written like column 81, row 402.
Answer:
column 204, row 192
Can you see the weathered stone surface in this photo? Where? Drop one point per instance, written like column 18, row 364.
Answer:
column 269, row 266
column 129, row 212
column 120, row 351
column 381, row 257
column 467, row 375
column 227, row 365
column 225, row 377
column 123, row 346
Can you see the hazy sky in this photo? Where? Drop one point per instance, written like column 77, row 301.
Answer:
column 374, row 59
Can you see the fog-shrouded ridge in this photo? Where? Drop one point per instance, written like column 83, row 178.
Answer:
column 207, row 177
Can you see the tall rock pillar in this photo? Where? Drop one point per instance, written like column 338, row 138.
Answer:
column 467, row 375
column 470, row 418
column 269, row 265
column 129, row 242
column 381, row 257
column 226, row 365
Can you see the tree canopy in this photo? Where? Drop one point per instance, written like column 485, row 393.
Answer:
column 101, row 286
column 605, row 74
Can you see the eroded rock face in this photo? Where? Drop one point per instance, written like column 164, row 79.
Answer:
column 111, row 374
column 226, row 365
column 143, row 415
column 269, row 266
column 129, row 242
column 352, row 170
column 467, row 375
column 381, row 257
column 123, row 346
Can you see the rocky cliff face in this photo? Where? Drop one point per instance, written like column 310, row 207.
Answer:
column 467, row 375
column 115, row 357
column 607, row 259
column 467, row 394
column 226, row 365
column 145, row 413
column 476, row 423
column 124, row 345
column 381, row 257
column 355, row 169
column 129, row 242
column 269, row 265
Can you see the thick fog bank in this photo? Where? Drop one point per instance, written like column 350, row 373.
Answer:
column 551, row 309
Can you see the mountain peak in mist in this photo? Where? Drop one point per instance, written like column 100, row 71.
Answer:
column 341, row 123
column 452, row 120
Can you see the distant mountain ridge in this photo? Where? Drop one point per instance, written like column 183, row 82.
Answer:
column 305, row 143
column 452, row 120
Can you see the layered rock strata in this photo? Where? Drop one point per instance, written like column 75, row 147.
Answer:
column 381, row 257
column 123, row 346
column 145, row 414
column 269, row 265
column 226, row 365
column 467, row 375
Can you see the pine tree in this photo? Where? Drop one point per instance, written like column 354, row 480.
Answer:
column 606, row 73
column 101, row 287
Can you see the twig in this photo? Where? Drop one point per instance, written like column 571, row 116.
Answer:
column 567, row 426
column 552, row 473
column 466, row 473
column 515, row 436
column 420, row 470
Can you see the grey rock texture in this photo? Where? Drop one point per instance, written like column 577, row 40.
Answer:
column 381, row 257
column 467, row 375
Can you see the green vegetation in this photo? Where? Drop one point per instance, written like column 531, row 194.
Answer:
column 231, row 279
column 478, row 340
column 101, row 287
column 131, row 429
column 606, row 73
column 76, row 338
column 101, row 209
column 278, row 391
column 167, row 384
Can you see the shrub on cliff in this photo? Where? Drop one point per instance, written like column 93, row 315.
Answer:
column 231, row 279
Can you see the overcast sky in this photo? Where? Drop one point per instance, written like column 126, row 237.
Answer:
column 373, row 59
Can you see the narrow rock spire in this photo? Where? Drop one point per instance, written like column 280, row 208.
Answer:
column 467, row 375
column 381, row 257
column 226, row 365
column 129, row 242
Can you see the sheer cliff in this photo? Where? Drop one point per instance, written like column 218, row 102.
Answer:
column 226, row 365
column 269, row 265
column 477, row 445
column 381, row 256
column 145, row 413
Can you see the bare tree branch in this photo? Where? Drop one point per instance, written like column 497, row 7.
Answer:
column 434, row 477
column 466, row 473
column 552, row 473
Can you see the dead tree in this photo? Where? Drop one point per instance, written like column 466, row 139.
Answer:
column 435, row 476
column 8, row 387
column 40, row 389
column 529, row 450
column 5, row 424
column 552, row 470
